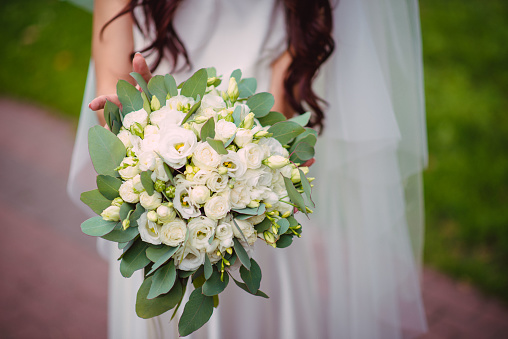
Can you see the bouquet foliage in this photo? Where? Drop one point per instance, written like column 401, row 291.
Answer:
column 189, row 178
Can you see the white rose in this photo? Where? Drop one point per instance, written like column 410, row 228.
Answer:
column 192, row 258
column 252, row 155
column 140, row 116
column 224, row 130
column 179, row 101
column 124, row 137
column 131, row 170
column 127, row 192
column 217, row 207
column 148, row 230
column 224, row 232
column 199, row 195
column 167, row 116
column 272, row 146
column 147, row 161
column 205, row 156
column 176, row 144
column 239, row 196
column 173, row 233
column 112, row 213
column 150, row 202
column 216, row 182
column 200, row 231
column 247, row 229
column 165, row 214
column 183, row 204
column 214, row 101
column 236, row 167
column 243, row 137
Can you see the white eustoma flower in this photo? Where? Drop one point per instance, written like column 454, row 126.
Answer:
column 179, row 101
column 248, row 230
column 217, row 207
column 124, row 136
column 112, row 213
column 183, row 204
column 212, row 100
column 224, row 130
column 139, row 116
column 189, row 258
column 138, row 186
column 167, row 116
column 243, row 137
column 271, row 146
column 150, row 143
column 216, row 182
column 159, row 172
column 150, row 202
column 224, row 233
column 148, row 230
column 176, row 144
column 173, row 233
column 127, row 192
column 199, row 195
column 201, row 229
column 147, row 161
column 239, row 196
column 211, row 251
column 252, row 155
column 234, row 164
column 165, row 214
column 204, row 156
column 131, row 169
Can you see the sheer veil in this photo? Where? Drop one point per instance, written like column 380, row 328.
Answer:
column 355, row 273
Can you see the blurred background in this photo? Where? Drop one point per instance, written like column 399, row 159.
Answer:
column 44, row 59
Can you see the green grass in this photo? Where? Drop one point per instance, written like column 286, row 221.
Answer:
column 45, row 53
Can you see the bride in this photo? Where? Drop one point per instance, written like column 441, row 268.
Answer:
column 355, row 271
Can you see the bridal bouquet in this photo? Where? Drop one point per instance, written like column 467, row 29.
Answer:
column 189, row 178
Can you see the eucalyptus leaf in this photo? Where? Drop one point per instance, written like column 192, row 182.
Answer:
column 263, row 225
column 185, row 274
column 208, row 129
column 136, row 214
column 163, row 280
column 244, row 287
column 208, row 269
column 149, row 308
column 146, row 181
column 196, row 313
column 217, row 145
column 193, row 109
column 284, row 241
column 284, row 225
column 168, row 173
column 115, row 129
column 134, row 259
column 170, row 83
column 251, row 277
column 307, row 137
column 230, row 140
column 198, row 281
column 247, row 87
column 284, row 131
column 306, row 186
column 252, row 211
column 95, row 200
column 239, row 229
column 211, row 72
column 237, row 115
column 121, row 235
column 106, row 150
column 302, row 119
column 302, row 152
column 142, row 83
column 294, row 196
column 110, row 112
column 308, row 131
column 163, row 258
column 154, row 252
column 108, row 186
column 237, row 74
column 157, row 87
column 97, row 226
column 129, row 97
column 214, row 285
column 146, row 103
column 241, row 253
column 271, row 119
column 260, row 104
column 125, row 209
column 292, row 221
column 196, row 85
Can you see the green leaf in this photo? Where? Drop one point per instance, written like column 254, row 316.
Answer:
column 165, row 257
column 170, row 83
column 307, row 132
column 237, row 74
column 239, row 229
column 302, row 119
column 198, row 281
column 294, row 196
column 208, row 269
column 185, row 274
column 214, row 285
column 215, row 301
column 110, row 112
column 106, row 150
column 149, row 308
column 97, row 226
column 142, row 83
column 241, row 253
column 230, row 140
column 134, row 259
column 307, row 137
column 284, row 241
column 115, row 129
column 154, row 252
column 193, row 109
column 261, row 103
column 121, row 235
column 284, row 225
column 284, row 131
column 196, row 313
column 129, row 97
column 196, row 85
column 208, row 129
column 251, row 277
column 146, row 103
column 271, row 119
column 146, row 181
column 217, row 145
column 157, row 87
column 306, row 186
column 302, row 152
column 211, row 72
column 247, row 87
column 244, row 287
column 292, row 221
column 252, row 211
column 95, row 200
column 237, row 116
column 263, row 225
column 125, row 209
column 136, row 214
column 163, row 280
column 108, row 186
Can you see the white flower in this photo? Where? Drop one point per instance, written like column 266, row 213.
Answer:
column 165, row 214
column 192, row 258
column 247, row 229
column 283, row 207
column 138, row 186
column 140, row 116
column 176, row 144
column 216, row 182
column 147, row 161
column 256, row 219
column 127, row 192
column 243, row 137
column 112, row 213
column 199, row 195
column 159, row 172
column 200, row 231
column 224, row 130
column 213, row 101
column 131, row 169
column 286, row 171
column 276, row 162
column 224, row 233
column 148, row 230
column 173, row 233
column 205, row 156
column 271, row 146
column 183, row 204
column 252, row 155
column 150, row 143
column 150, row 202
column 150, row 130
column 245, row 110
column 167, row 116
column 239, row 196
column 211, row 251
column 236, row 167
column 179, row 101
column 217, row 207
column 124, row 137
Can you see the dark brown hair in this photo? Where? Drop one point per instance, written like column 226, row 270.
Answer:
column 310, row 43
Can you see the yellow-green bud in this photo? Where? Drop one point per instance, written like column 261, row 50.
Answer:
column 295, row 175
column 125, row 224
column 117, row 202
column 311, row 179
column 229, row 118
column 248, row 122
column 261, row 134
column 152, row 216
column 286, row 214
column 187, row 126
column 308, row 210
column 211, row 81
column 268, row 205
column 189, row 169
column 233, row 92
column 232, row 147
column 159, row 185
column 179, row 106
column 229, row 250
column 195, row 169
column 276, row 161
column 137, row 129
column 130, row 152
column 201, row 119
column 222, row 170
column 155, row 104
column 253, row 204
column 224, row 96
column 269, row 237
column 170, row 191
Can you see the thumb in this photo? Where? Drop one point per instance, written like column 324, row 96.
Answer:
column 140, row 66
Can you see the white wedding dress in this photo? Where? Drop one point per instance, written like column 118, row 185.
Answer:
column 355, row 271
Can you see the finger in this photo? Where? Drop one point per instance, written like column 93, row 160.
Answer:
column 99, row 102
column 309, row 163
column 140, row 66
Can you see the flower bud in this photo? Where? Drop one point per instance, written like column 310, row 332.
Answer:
column 229, row 250
column 261, row 134
column 232, row 147
column 201, row 119
column 130, row 152
column 233, row 92
column 112, row 213
column 222, row 170
column 170, row 191
column 224, row 96
column 229, row 118
column 137, row 129
column 253, row 204
column 311, row 179
column 286, row 214
column 117, row 202
column 276, row 161
column 248, row 122
column 268, row 205
column 152, row 216
column 165, row 214
column 211, row 81
column 295, row 175
column 179, row 106
column 155, row 104
column 269, row 237
column 159, row 186
column 274, row 229
column 189, row 169
column 125, row 224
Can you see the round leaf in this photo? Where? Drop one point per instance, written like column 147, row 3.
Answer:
column 261, row 103
column 149, row 308
column 97, row 226
column 106, row 150
column 196, row 313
